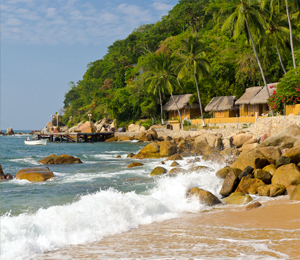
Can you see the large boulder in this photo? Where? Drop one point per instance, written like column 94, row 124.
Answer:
column 149, row 151
column 296, row 193
column 205, row 197
column 34, row 174
column 230, row 183
column 60, row 159
column 284, row 139
column 270, row 169
column 294, row 154
column 247, row 183
column 282, row 160
column 134, row 128
column 87, row 127
column 239, row 140
column 254, row 158
column 134, row 164
column 10, row 131
column 151, row 134
column 2, row 176
column 227, row 142
column 222, row 173
column 213, row 140
column 167, row 148
column 238, row 198
column 288, row 174
column 272, row 190
column 112, row 139
column 248, row 147
column 271, row 153
column 263, row 175
column 158, row 171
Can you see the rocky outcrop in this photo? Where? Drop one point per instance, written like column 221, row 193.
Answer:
column 35, row 174
column 254, row 158
column 10, row 131
column 134, row 128
column 212, row 140
column 287, row 175
column 149, row 151
column 60, row 159
column 167, row 149
column 158, row 171
column 204, row 197
column 284, row 139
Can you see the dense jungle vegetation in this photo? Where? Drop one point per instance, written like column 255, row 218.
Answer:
column 200, row 42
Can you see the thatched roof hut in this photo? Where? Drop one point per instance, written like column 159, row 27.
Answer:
column 182, row 102
column 248, row 95
column 262, row 96
column 221, row 104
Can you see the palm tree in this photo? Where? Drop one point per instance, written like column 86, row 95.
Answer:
column 192, row 59
column 296, row 6
column 162, row 78
column 245, row 15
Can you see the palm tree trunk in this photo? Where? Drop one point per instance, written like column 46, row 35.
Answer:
column 200, row 104
column 291, row 32
column 161, row 108
column 282, row 66
column 178, row 111
column 257, row 58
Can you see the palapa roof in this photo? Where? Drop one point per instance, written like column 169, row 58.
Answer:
column 248, row 95
column 221, row 104
column 182, row 102
column 262, row 96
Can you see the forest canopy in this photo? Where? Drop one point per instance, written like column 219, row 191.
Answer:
column 117, row 86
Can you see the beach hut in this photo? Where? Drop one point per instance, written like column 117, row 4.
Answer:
column 245, row 108
column 223, row 106
column 186, row 110
column 260, row 100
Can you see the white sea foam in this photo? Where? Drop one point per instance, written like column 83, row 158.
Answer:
column 27, row 160
column 98, row 215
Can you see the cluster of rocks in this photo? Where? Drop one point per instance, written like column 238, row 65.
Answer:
column 10, row 131
column 38, row 174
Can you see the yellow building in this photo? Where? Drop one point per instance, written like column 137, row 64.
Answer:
column 223, row 107
column 254, row 101
column 186, row 110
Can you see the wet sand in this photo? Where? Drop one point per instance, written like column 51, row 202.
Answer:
column 225, row 232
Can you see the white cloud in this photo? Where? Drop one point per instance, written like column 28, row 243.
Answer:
column 71, row 21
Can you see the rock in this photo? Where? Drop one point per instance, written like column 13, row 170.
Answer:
column 297, row 143
column 10, row 131
column 162, row 162
column 227, row 142
column 8, row 176
column 143, row 130
column 239, row 140
column 125, row 138
column 248, row 183
column 99, row 127
column 230, row 183
column 130, row 155
column 248, row 171
column 174, row 164
column 216, row 157
column 272, row 190
column 34, row 174
column 252, row 141
column 152, row 134
column 212, row 140
column 197, row 168
column 134, row 128
column 134, row 164
column 112, row 139
column 144, row 138
column 284, row 139
column 271, row 153
column 158, row 171
column 294, row 154
column 167, row 149
column 222, row 173
column 287, row 175
column 264, row 191
column 254, row 158
column 60, row 159
column 262, row 175
column 253, row 205
column 132, row 179
column 87, row 127
column 238, row 198
column 177, row 170
column 205, row 197
column 296, row 193
column 2, row 176
column 282, row 160
column 270, row 169
column 149, row 151
column 249, row 147
column 290, row 189
column 175, row 157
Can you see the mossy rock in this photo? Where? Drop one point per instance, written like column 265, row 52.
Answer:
column 175, row 157
column 112, row 139
column 270, row 169
column 158, row 171
column 134, row 164
column 238, row 198
column 174, row 164
column 296, row 193
column 60, row 159
column 247, row 182
column 287, row 175
column 35, row 174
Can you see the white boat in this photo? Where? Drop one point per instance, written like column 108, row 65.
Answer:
column 35, row 142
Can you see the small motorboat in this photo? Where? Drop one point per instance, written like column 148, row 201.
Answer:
column 35, row 142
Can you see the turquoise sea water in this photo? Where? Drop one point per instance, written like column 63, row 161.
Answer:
column 87, row 202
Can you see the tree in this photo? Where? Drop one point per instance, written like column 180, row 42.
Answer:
column 162, row 78
column 245, row 15
column 192, row 59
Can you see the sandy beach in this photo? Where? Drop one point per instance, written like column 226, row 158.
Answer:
column 224, row 232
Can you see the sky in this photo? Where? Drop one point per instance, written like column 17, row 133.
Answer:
column 45, row 44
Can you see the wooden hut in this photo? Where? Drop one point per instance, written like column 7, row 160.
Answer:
column 245, row 108
column 260, row 100
column 223, row 107
column 186, row 110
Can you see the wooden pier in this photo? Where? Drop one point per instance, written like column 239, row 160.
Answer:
column 76, row 137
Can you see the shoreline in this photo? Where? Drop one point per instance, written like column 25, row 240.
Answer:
column 271, row 231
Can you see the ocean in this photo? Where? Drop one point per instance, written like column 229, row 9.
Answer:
column 88, row 202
